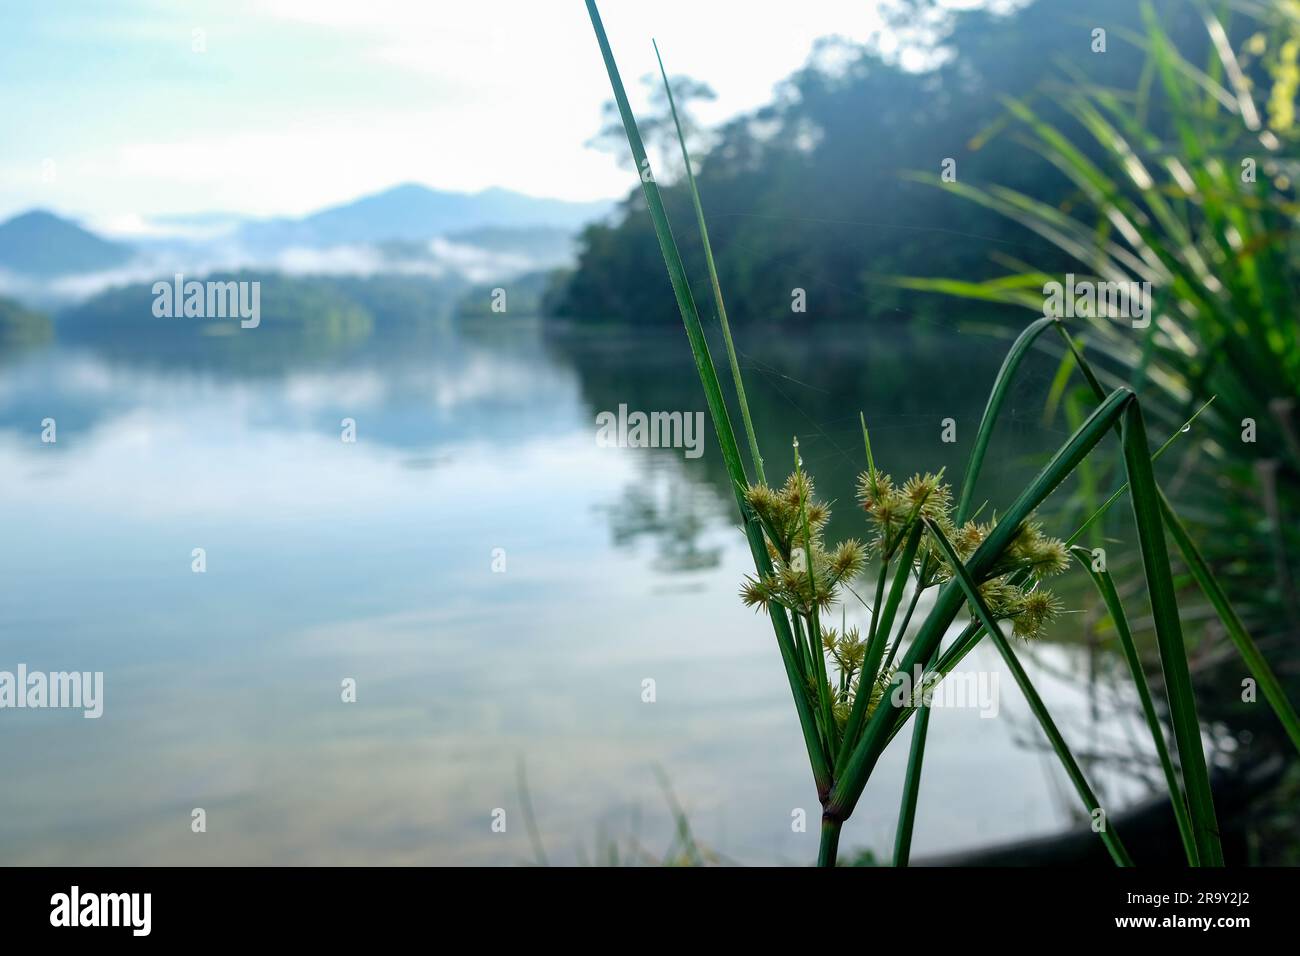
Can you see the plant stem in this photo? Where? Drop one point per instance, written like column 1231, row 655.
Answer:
column 912, row 779
column 830, row 841
column 907, row 619
column 754, row 454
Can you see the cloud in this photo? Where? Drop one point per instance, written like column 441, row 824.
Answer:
column 297, row 104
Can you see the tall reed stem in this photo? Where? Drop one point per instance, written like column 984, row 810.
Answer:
column 830, row 841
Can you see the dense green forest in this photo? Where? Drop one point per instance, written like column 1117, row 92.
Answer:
column 811, row 192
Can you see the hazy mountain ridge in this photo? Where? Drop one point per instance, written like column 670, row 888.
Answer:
column 415, row 212
column 410, row 229
column 39, row 243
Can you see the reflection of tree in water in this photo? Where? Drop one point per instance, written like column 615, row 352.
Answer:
column 670, row 510
column 811, row 383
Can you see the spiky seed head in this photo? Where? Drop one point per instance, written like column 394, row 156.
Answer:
column 892, row 511
column 1050, row 557
column 1036, row 610
column 852, row 649
column 755, row 593
column 848, row 559
column 878, row 688
column 798, row 488
column 969, row 537
column 1001, row 597
column 841, row 709
column 1027, row 538
column 874, row 487
column 757, row 494
column 927, row 494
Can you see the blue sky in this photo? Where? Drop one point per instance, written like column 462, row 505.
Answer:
column 295, row 104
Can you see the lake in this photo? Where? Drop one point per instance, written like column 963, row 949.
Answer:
column 498, row 588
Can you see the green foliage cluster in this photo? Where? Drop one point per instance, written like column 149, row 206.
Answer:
column 808, row 191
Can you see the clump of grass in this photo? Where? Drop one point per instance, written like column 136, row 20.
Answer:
column 1201, row 204
column 684, row 849
column 807, row 578
column 993, row 570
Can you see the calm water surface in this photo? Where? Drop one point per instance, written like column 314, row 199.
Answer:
column 373, row 560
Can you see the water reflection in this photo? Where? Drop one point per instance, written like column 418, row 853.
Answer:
column 374, row 561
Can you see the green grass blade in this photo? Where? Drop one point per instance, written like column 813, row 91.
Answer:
column 866, row 440
column 1169, row 636
column 1106, row 588
column 817, row 755
column 1090, row 802
column 911, row 787
column 907, row 617
column 754, row 453
column 1209, row 585
column 1246, row 647
column 1119, row 492
column 1001, row 384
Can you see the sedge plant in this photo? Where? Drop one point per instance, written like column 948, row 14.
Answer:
column 853, row 693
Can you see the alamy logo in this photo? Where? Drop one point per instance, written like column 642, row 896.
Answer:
column 209, row 300
column 1086, row 299
column 974, row 689
column 655, row 430
column 102, row 909
column 37, row 689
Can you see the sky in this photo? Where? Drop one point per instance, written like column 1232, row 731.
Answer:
column 130, row 109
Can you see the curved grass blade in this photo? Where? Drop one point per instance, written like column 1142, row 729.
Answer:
column 1119, row 492
column 997, row 396
column 948, row 660
column 1106, row 588
column 1090, row 802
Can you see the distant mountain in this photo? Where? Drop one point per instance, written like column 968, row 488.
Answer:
column 39, row 243
column 415, row 212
